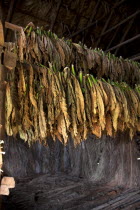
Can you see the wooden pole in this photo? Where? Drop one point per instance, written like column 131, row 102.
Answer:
column 92, row 16
column 94, row 23
column 136, row 58
column 2, row 93
column 85, row 28
column 10, row 14
column 56, row 14
column 124, row 21
column 13, row 27
column 108, row 20
column 123, row 43
column 113, row 37
column 125, row 34
column 6, row 59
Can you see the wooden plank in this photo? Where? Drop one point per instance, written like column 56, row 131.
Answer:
column 13, row 27
column 1, row 34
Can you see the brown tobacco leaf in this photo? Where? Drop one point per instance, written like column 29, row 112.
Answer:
column 42, row 120
column 109, row 128
column 9, row 108
column 79, row 100
column 100, row 108
column 97, row 131
column 21, row 44
column 31, row 96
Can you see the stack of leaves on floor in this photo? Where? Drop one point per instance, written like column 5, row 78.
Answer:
column 43, row 102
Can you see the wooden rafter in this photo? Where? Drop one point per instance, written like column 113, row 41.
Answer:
column 1, row 34
column 10, row 13
column 125, row 34
column 56, row 14
column 11, row 9
column 104, row 28
column 113, row 37
column 108, row 21
column 85, row 28
column 122, row 22
column 123, row 43
column 13, row 27
column 92, row 16
column 136, row 58
column 92, row 24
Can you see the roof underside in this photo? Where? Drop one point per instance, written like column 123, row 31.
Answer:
column 87, row 21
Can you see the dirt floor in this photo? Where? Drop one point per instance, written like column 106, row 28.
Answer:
column 61, row 177
column 56, row 192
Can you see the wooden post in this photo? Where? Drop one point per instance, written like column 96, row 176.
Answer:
column 2, row 92
column 7, row 182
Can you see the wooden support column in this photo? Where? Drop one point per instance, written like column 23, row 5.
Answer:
column 7, row 61
column 2, row 90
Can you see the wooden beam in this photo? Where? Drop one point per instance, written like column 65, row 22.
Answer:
column 136, row 58
column 56, row 14
column 108, row 20
column 123, row 43
column 85, row 28
column 92, row 24
column 1, row 11
column 10, row 13
column 124, row 21
column 1, row 34
column 113, row 37
column 13, row 27
column 92, row 16
column 2, row 97
column 125, row 34
column 104, row 28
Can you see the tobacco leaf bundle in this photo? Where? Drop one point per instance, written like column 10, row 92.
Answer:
column 44, row 47
column 42, row 102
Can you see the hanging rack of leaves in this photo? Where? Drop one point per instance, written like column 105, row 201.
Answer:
column 37, row 46
column 46, row 101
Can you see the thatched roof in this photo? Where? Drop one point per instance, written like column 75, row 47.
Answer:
column 102, row 24
column 60, row 88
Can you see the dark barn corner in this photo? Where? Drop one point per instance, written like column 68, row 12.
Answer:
column 69, row 104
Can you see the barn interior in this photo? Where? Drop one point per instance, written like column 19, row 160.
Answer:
column 87, row 160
